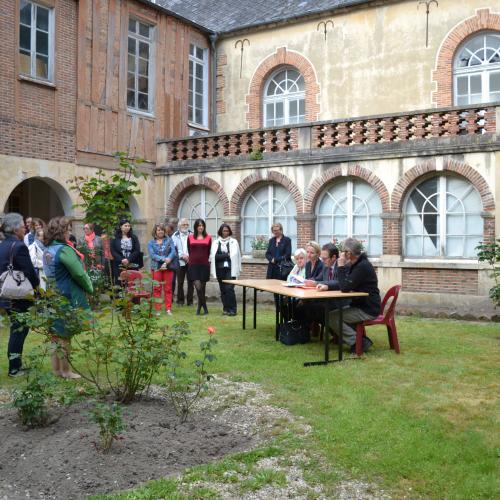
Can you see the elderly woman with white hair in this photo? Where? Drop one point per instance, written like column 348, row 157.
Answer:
column 298, row 273
column 13, row 250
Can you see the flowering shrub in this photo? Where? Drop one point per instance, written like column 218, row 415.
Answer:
column 259, row 243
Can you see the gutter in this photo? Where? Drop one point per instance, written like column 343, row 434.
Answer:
column 213, row 87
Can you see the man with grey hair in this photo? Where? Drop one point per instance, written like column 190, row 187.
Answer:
column 355, row 274
column 180, row 238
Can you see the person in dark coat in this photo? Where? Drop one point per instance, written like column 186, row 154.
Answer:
column 279, row 248
column 314, row 265
column 14, row 231
column 358, row 276
column 125, row 248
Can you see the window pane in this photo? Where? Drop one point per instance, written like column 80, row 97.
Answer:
column 293, row 109
column 131, row 64
column 142, row 102
column 494, row 82
column 42, row 66
column 279, row 110
column 131, row 81
column 199, row 116
column 132, row 25
column 198, row 101
column 302, row 107
column 191, row 49
column 414, row 246
column 190, row 113
column 42, row 43
column 25, row 62
column 270, row 111
column 25, row 38
column 463, row 85
column 199, row 53
column 143, row 67
column 199, row 86
column 131, row 99
column 42, row 18
column 455, row 246
column 475, row 84
column 131, row 46
column 144, row 30
column 144, row 50
column 25, row 13
column 199, row 71
column 143, row 84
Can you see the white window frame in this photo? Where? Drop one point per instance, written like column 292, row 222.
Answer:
column 201, row 207
column 151, row 67
column 483, row 70
column 51, row 37
column 349, row 214
column 286, row 98
column 442, row 214
column 271, row 216
column 192, row 81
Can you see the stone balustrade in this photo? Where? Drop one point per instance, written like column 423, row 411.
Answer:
column 401, row 127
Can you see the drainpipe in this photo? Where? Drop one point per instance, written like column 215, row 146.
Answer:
column 213, row 87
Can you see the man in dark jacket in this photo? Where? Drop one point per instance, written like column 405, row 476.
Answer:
column 358, row 276
column 13, row 229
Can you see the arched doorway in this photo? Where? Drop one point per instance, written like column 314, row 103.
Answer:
column 39, row 197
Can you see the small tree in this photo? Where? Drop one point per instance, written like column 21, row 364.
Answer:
column 490, row 253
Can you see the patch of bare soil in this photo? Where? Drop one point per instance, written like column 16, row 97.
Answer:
column 61, row 461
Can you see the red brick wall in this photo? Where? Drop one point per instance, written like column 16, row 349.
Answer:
column 37, row 120
column 440, row 281
column 253, row 270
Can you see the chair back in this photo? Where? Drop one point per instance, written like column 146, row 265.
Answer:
column 388, row 311
column 131, row 279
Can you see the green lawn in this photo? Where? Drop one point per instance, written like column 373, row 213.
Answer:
column 422, row 424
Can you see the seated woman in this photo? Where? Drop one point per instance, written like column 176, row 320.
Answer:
column 314, row 265
column 299, row 270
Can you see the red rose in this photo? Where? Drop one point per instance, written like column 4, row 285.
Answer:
column 211, row 330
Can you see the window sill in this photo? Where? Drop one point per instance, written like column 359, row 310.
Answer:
column 198, row 127
column 37, row 81
column 464, row 264
column 140, row 113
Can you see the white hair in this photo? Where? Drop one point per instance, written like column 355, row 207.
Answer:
column 300, row 251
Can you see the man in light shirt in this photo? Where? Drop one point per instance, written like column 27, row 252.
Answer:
column 180, row 240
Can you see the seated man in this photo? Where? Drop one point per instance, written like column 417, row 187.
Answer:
column 358, row 276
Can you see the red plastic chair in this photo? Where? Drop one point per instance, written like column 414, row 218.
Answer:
column 132, row 280
column 386, row 317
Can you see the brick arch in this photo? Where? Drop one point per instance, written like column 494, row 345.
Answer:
column 188, row 183
column 417, row 173
column 282, row 57
column 442, row 76
column 250, row 182
column 317, row 187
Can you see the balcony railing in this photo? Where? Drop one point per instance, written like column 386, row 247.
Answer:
column 414, row 126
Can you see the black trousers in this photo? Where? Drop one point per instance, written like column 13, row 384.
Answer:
column 181, row 276
column 227, row 295
column 18, row 334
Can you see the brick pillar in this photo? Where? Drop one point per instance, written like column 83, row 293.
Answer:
column 392, row 233
column 305, row 229
column 234, row 222
column 488, row 227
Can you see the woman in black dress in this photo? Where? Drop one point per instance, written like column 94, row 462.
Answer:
column 125, row 248
column 278, row 250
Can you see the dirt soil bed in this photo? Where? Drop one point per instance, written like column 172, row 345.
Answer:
column 61, row 461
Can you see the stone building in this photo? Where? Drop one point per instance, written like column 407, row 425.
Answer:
column 368, row 118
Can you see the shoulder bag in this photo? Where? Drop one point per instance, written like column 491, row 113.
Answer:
column 13, row 284
column 286, row 267
column 292, row 332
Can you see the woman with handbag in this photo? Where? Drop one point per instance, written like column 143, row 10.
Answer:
column 13, row 252
column 199, row 245
column 125, row 249
column 225, row 264
column 65, row 272
column 164, row 263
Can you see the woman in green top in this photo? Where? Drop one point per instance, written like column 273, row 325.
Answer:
column 65, row 272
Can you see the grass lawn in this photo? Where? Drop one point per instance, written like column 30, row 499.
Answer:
column 421, row 424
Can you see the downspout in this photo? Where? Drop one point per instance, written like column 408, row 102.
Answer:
column 213, row 87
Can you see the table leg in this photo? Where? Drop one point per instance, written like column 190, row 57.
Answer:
column 326, row 335
column 244, row 306
column 254, row 308
column 278, row 317
column 341, row 324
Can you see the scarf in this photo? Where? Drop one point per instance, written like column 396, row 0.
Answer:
column 89, row 240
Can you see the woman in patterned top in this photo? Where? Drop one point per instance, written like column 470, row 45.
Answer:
column 125, row 248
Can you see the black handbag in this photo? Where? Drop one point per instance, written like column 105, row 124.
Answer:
column 286, row 267
column 292, row 332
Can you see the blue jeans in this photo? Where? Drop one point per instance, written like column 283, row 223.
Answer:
column 18, row 334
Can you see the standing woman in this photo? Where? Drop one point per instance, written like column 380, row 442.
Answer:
column 36, row 250
column 225, row 264
column 93, row 246
column 162, row 252
column 13, row 230
column 125, row 248
column 314, row 266
column 199, row 245
column 278, row 249
column 64, row 270
column 35, row 224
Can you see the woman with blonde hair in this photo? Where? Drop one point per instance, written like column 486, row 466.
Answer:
column 314, row 266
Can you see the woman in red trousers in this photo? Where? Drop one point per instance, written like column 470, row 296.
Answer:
column 163, row 257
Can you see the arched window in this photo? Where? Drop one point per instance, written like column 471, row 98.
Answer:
column 443, row 218
column 284, row 98
column 264, row 207
column 202, row 203
column 477, row 70
column 350, row 208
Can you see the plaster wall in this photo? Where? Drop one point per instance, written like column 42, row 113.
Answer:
column 374, row 59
